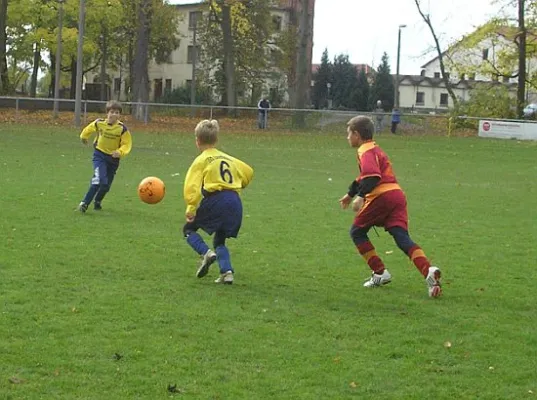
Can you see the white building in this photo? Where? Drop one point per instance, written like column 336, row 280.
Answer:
column 477, row 59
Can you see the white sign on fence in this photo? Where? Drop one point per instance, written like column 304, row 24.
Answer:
column 507, row 130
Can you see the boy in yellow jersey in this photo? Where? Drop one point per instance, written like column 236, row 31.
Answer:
column 211, row 191
column 112, row 142
column 378, row 200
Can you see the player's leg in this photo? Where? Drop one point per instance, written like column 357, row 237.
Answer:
column 380, row 275
column 104, row 188
column 224, row 260
column 99, row 173
column 194, row 239
column 397, row 226
column 228, row 217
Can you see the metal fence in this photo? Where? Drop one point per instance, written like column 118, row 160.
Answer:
column 182, row 117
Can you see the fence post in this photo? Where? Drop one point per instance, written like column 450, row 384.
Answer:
column 17, row 109
column 211, row 117
column 85, row 111
column 450, row 126
column 146, row 113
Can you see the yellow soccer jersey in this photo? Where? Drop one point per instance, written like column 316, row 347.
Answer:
column 109, row 137
column 213, row 171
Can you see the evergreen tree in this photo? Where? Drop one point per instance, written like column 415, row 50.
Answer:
column 322, row 78
column 362, row 92
column 383, row 86
column 344, row 81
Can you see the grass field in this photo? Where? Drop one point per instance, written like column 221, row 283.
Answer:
column 106, row 305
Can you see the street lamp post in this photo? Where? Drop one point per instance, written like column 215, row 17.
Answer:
column 57, row 74
column 396, row 94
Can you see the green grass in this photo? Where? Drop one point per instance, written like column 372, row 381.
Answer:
column 297, row 324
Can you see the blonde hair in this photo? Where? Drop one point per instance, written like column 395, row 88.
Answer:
column 207, row 131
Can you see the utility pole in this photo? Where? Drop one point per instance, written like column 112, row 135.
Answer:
column 396, row 94
column 79, row 66
column 57, row 72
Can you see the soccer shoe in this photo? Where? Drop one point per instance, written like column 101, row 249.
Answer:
column 225, row 278
column 82, row 207
column 208, row 259
column 433, row 281
column 378, row 280
column 97, row 206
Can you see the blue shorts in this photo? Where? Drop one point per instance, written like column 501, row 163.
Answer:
column 219, row 212
column 104, row 168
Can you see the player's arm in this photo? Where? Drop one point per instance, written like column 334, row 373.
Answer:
column 88, row 131
column 125, row 144
column 246, row 172
column 363, row 186
column 192, row 187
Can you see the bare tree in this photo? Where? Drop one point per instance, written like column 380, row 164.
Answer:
column 445, row 77
column 224, row 21
column 521, row 42
column 141, row 59
column 229, row 56
column 4, row 77
column 303, row 67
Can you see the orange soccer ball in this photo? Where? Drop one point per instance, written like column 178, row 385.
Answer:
column 151, row 190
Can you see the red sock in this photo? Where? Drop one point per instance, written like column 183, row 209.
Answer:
column 367, row 251
column 419, row 259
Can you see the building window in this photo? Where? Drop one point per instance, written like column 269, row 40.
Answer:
column 420, row 98
column 485, row 54
column 437, row 74
column 190, row 54
column 193, row 18
column 168, row 86
column 277, row 23
column 444, row 99
column 117, row 84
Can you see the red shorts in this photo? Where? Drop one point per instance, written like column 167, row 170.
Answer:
column 387, row 210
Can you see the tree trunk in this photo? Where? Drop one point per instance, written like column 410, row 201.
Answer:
column 52, row 58
column 229, row 58
column 521, row 89
column 72, row 91
column 37, row 60
column 104, row 94
column 302, row 84
column 141, row 60
column 4, row 77
column 426, row 18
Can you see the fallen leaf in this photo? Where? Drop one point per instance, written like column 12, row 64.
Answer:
column 15, row 380
column 353, row 384
column 447, row 345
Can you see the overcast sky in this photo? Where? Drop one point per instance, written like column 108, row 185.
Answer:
column 364, row 29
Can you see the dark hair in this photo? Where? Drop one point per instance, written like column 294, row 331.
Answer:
column 114, row 105
column 363, row 125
